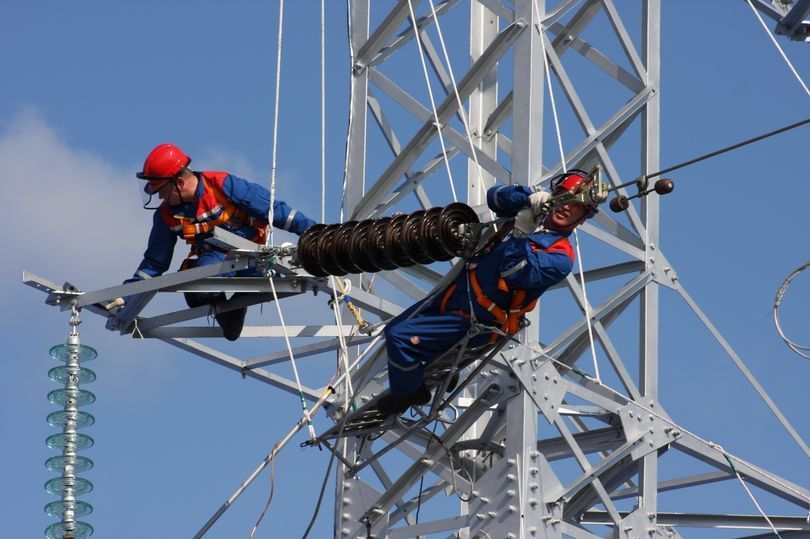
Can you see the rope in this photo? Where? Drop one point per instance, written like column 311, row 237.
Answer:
column 323, row 111
column 432, row 101
column 654, row 413
column 779, row 295
column 753, row 499
column 463, row 115
column 779, row 48
column 586, row 305
column 271, row 212
column 292, row 360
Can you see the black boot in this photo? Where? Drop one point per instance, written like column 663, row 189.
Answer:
column 231, row 322
column 391, row 404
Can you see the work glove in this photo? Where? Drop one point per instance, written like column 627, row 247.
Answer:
column 115, row 306
column 529, row 218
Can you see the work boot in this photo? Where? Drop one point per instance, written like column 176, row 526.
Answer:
column 231, row 322
column 391, row 404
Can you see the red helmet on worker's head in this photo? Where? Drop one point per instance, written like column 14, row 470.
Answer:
column 570, row 181
column 165, row 162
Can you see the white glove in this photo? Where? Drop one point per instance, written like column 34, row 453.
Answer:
column 525, row 223
column 537, row 201
column 528, row 219
column 115, row 305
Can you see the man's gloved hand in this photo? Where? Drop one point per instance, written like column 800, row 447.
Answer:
column 528, row 219
column 537, row 201
column 115, row 306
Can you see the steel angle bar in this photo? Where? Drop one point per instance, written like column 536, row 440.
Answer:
column 406, row 35
column 615, row 235
column 405, row 509
column 743, row 369
column 575, row 25
column 417, row 469
column 382, row 122
column 770, row 9
column 604, row 339
column 417, row 271
column 437, row 64
column 448, row 107
column 572, row 530
column 286, row 285
column 163, row 281
column 628, row 291
column 796, row 24
column 754, row 522
column 620, row 120
column 371, row 302
column 502, row 11
column 610, row 479
column 606, row 272
column 765, row 480
column 441, row 467
column 624, row 38
column 676, row 484
column 305, row 351
column 425, row 528
column 421, row 112
column 594, row 393
column 593, row 441
column 234, row 364
column 590, row 477
column 568, row 87
column 499, row 116
column 376, row 42
column 558, row 12
column 248, row 331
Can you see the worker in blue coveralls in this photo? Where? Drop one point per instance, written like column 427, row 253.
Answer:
column 505, row 278
column 191, row 205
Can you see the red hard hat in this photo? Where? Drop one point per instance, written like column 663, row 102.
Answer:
column 569, row 181
column 164, row 163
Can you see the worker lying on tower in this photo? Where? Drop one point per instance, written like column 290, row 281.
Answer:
column 499, row 284
column 191, row 205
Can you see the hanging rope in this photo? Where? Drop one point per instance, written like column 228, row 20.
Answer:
column 269, row 240
column 779, row 295
column 779, row 48
column 432, row 101
column 585, row 303
column 464, row 119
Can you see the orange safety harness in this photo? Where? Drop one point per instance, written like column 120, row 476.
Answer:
column 509, row 321
column 190, row 227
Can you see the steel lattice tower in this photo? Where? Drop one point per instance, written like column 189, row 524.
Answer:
column 537, row 448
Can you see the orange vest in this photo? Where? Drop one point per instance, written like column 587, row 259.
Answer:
column 213, row 209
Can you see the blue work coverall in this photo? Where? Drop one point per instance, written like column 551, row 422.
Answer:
column 431, row 327
column 250, row 197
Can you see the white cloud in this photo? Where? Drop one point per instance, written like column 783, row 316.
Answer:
column 69, row 214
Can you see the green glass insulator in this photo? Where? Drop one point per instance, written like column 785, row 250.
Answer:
column 57, row 508
column 59, row 440
column 56, row 486
column 61, row 374
column 62, row 352
column 60, row 418
column 80, row 530
column 80, row 464
column 82, row 397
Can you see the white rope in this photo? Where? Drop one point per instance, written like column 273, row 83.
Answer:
column 350, row 123
column 323, row 111
column 779, row 48
column 585, row 303
column 343, row 354
column 292, row 359
column 464, row 119
column 271, row 212
column 436, row 122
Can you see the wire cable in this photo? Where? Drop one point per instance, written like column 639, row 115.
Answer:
column 779, row 48
column 778, row 300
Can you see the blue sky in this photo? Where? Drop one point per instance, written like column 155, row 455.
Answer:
column 91, row 87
